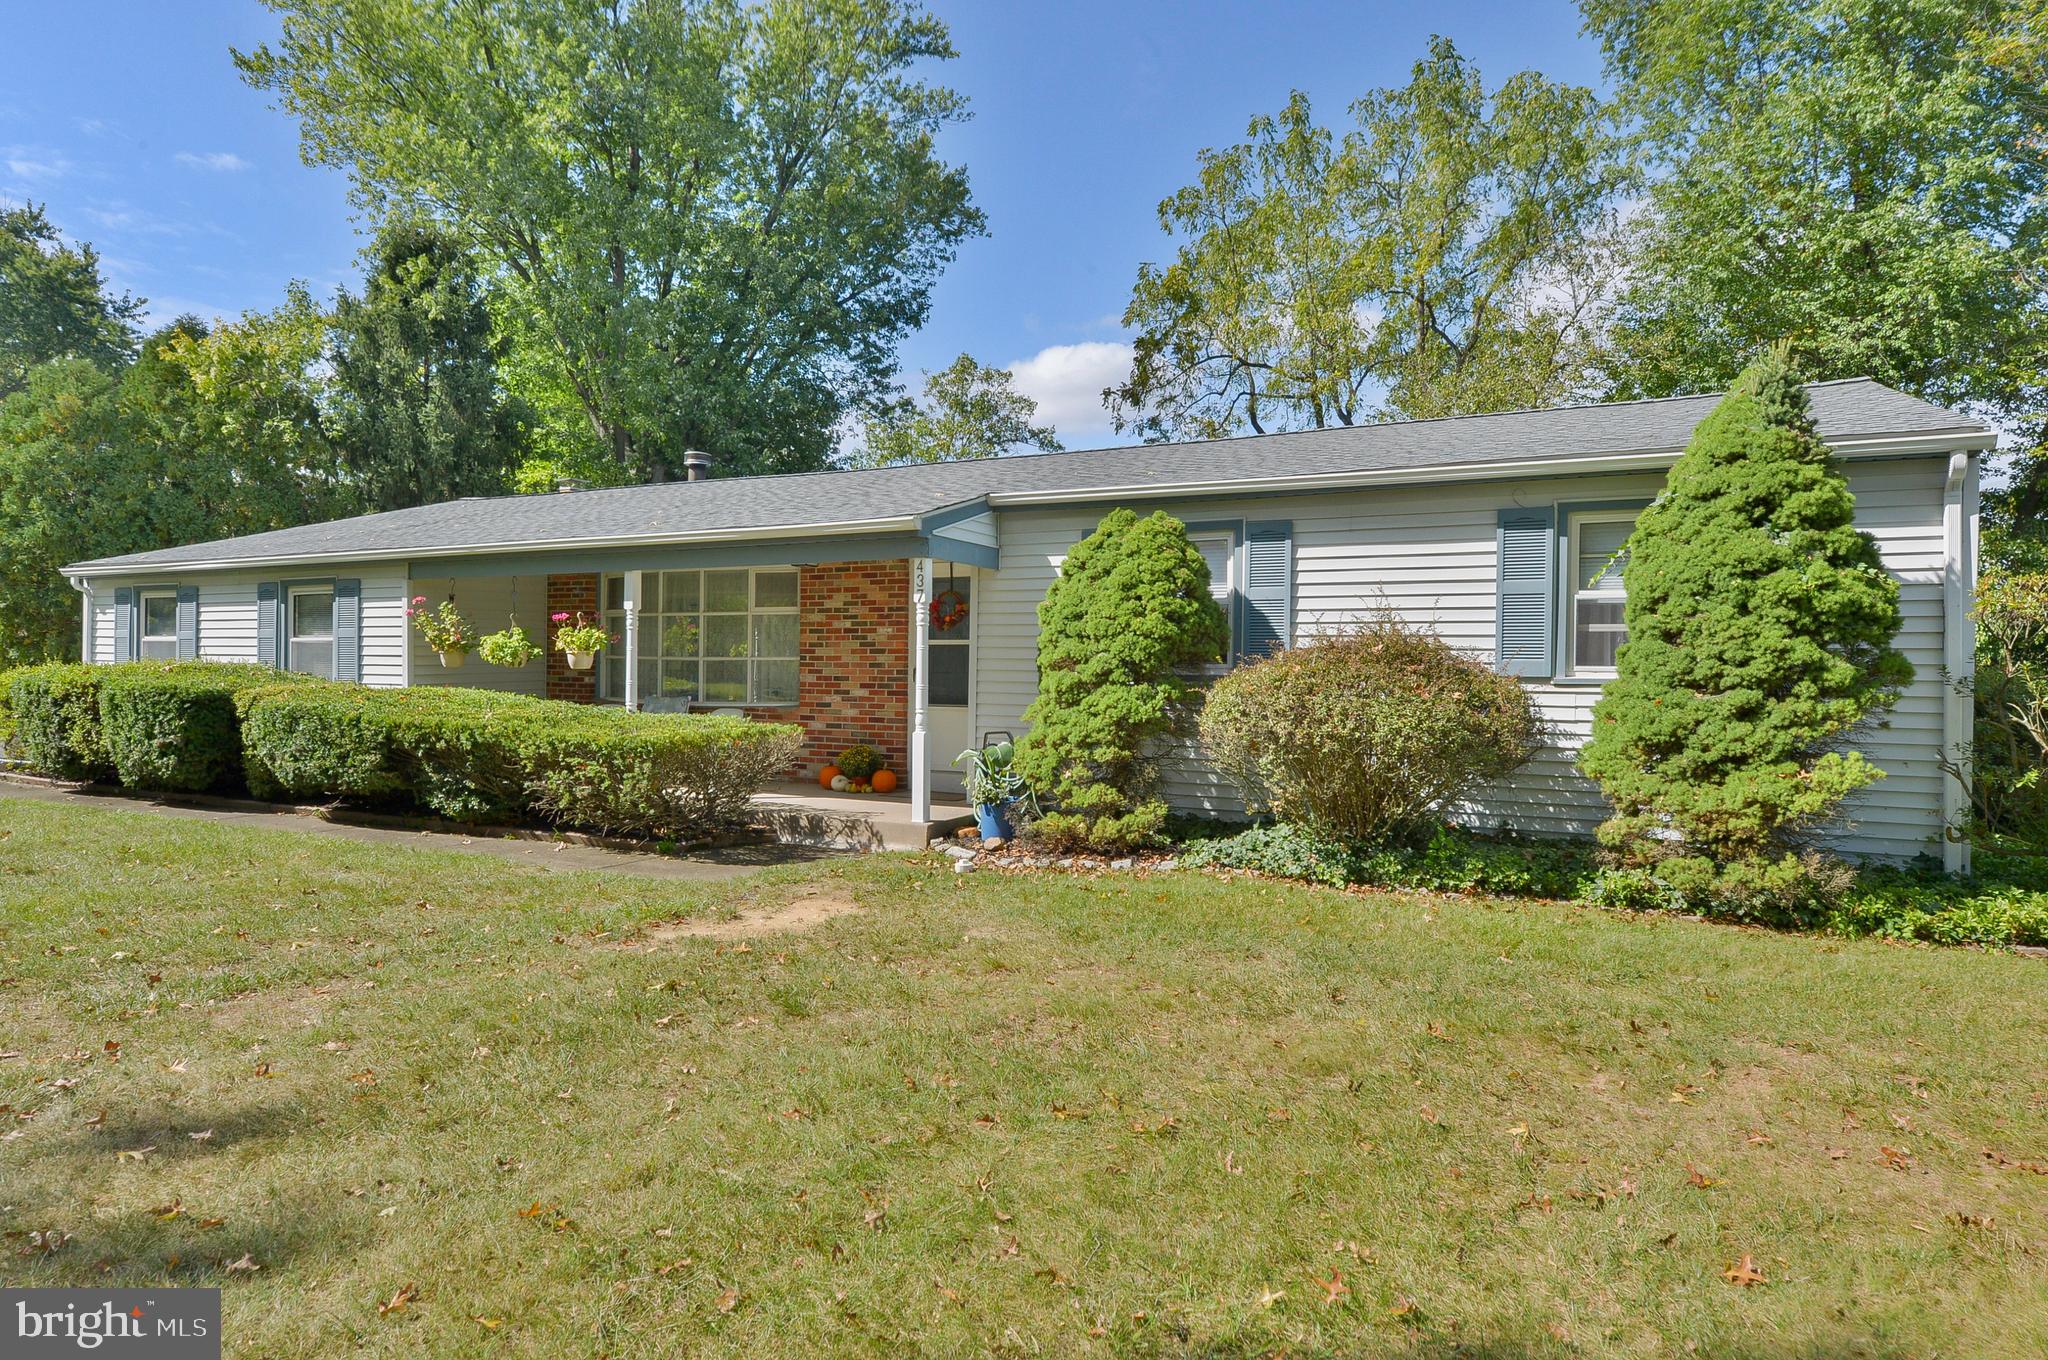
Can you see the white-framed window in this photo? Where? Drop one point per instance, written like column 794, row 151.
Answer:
column 707, row 637
column 309, row 635
column 1596, row 596
column 1219, row 549
column 157, row 632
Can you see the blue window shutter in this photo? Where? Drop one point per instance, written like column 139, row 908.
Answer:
column 269, row 607
column 1268, row 586
column 188, row 623
column 348, row 629
column 1523, row 636
column 124, row 623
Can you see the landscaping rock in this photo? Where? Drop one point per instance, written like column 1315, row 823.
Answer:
column 964, row 866
column 1123, row 864
column 960, row 852
column 993, row 843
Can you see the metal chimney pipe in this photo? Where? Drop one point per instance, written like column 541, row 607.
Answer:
column 696, row 465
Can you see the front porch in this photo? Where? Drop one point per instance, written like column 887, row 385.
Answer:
column 804, row 814
column 840, row 647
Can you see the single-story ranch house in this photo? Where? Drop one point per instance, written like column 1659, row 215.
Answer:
column 897, row 606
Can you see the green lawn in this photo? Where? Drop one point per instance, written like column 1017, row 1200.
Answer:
column 992, row 1115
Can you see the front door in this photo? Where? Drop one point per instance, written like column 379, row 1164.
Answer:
column 949, row 724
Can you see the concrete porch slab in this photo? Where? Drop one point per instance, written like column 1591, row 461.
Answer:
column 804, row 814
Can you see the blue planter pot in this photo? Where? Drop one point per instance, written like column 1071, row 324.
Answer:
column 992, row 821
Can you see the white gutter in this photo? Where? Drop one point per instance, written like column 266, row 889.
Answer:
column 1637, row 460
column 862, row 526
column 1958, row 655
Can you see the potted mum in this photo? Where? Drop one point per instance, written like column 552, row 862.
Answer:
column 446, row 631
column 580, row 641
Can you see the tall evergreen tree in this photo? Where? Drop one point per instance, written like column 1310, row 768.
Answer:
column 54, row 302
column 418, row 413
column 1760, row 626
column 1129, row 612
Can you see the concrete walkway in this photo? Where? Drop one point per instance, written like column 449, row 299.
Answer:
column 554, row 856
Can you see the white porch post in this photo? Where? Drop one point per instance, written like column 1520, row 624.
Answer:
column 405, row 649
column 920, row 688
column 632, row 639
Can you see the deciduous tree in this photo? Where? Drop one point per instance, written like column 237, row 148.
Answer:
column 1448, row 254
column 719, row 218
column 1864, row 176
column 967, row 411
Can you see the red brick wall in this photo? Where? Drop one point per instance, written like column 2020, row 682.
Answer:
column 567, row 595
column 853, row 667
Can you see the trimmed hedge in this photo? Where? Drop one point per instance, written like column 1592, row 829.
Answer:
column 173, row 728
column 56, row 714
column 469, row 755
column 477, row 756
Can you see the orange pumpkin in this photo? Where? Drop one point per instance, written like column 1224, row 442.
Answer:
column 827, row 775
column 885, row 781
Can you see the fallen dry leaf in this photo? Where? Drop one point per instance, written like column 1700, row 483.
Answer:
column 407, row 1292
column 1744, row 1272
column 246, row 1266
column 1333, row 1288
column 1696, row 1178
column 729, row 1299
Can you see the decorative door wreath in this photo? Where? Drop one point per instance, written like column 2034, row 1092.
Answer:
column 949, row 609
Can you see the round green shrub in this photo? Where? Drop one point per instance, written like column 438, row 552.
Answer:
column 174, row 727
column 1367, row 733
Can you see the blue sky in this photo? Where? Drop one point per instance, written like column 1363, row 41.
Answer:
column 128, row 119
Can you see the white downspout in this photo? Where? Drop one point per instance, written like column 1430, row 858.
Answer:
column 632, row 639
column 83, row 585
column 920, row 688
column 1958, row 654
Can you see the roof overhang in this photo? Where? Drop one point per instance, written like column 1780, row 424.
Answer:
column 701, row 537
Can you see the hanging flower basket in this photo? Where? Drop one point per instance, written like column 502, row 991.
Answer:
column 444, row 629
column 579, row 641
column 511, row 649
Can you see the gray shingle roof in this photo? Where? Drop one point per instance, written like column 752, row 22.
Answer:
column 864, row 499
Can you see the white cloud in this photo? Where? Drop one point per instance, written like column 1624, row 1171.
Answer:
column 34, row 162
column 1067, row 381
column 212, row 160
